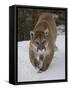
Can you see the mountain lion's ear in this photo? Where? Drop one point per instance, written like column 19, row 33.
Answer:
column 31, row 35
column 46, row 33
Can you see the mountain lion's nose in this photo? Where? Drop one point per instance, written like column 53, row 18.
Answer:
column 41, row 57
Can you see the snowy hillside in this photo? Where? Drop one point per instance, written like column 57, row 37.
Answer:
column 26, row 72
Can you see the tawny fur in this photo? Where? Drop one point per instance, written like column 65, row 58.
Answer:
column 45, row 21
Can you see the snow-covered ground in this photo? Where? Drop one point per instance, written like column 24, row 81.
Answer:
column 26, row 72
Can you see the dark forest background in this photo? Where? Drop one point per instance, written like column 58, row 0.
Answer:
column 27, row 19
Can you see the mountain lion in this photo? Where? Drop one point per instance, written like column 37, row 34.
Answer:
column 43, row 37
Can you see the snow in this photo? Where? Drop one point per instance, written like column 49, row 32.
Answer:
column 56, row 71
column 60, row 29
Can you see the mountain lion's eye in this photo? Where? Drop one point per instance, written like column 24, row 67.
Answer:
column 37, row 43
column 43, row 41
column 46, row 33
